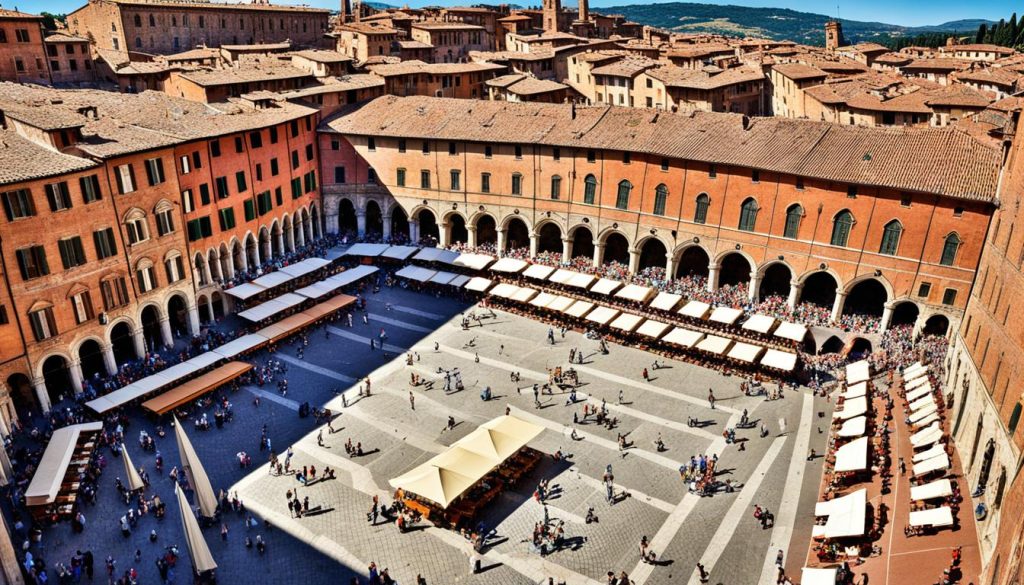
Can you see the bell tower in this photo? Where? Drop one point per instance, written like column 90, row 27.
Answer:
column 552, row 10
column 833, row 35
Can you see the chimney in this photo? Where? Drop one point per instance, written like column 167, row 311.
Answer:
column 572, row 110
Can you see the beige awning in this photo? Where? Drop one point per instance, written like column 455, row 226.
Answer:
column 695, row 310
column 198, row 551
column 627, row 322
column 538, row 271
column 759, row 323
column 194, row 388
column 49, row 475
column 193, row 468
column 653, row 329
column 852, row 456
column 602, row 315
column 858, row 372
column 605, row 286
column 635, row 293
column 134, row 480
column 666, row 301
column 725, row 315
column 436, row 484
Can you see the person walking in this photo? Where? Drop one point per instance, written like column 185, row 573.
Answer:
column 711, row 398
column 412, row 400
column 647, row 377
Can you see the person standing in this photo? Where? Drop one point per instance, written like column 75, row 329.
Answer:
column 711, row 398
column 412, row 400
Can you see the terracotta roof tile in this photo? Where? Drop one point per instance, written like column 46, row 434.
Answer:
column 24, row 160
column 944, row 161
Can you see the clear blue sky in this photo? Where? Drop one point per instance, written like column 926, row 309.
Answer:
column 904, row 12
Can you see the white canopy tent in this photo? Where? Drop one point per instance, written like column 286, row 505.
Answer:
column 921, row 372
column 666, row 301
column 400, row 252
column 745, row 352
column 856, row 391
column 436, row 255
column 343, row 279
column 759, row 323
column 443, row 277
column 367, row 250
column 779, row 360
column 245, row 290
column 919, row 393
column 858, row 372
column 683, row 337
column 635, row 293
column 725, row 315
column 813, row 576
column 919, row 415
column 935, row 517
column 304, row 267
column 272, row 279
column 538, row 271
column 580, row 280
column 921, row 403
column 714, row 344
column 852, row 456
column 524, row 294
column 559, row 304
column 937, row 463
column 792, row 331
column 316, row 290
column 847, row 515
column 602, row 315
column 478, row 284
column 240, row 345
column 933, row 417
column 503, row 290
column 939, row 488
column 653, row 329
column 695, row 310
column 458, row 281
column 851, row 408
column 510, row 265
column 416, row 273
column 853, row 427
column 542, row 299
column 561, row 276
column 272, row 307
column 934, row 451
column 605, row 286
column 578, row 309
column 926, row 436
column 627, row 322
column 49, row 474
column 473, row 261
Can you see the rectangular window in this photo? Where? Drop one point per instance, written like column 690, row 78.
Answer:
column 90, row 187
column 664, row 164
column 517, row 184
column 401, row 145
column 3, row 315
column 240, row 182
column 164, row 222
column 137, row 231
column 249, row 209
column 485, row 182
column 32, row 262
column 18, row 204
column 174, row 269
column 426, row 147
column 452, row 150
column 949, row 296
column 309, row 182
column 627, row 158
column 114, row 292
column 519, row 152
column 199, row 228
column 259, row 172
column 456, row 183
column 215, row 148
column 256, row 139
column 712, row 171
column 278, row 197
column 43, row 325
column 58, row 196
column 294, row 127
column 81, row 304
column 106, row 245
column 591, row 156
column 400, row 178
column 146, row 278
column 295, row 159
column 221, row 184
column 424, row 179
column 197, row 161
column 155, row 171
column 371, row 144
column 905, row 200
column 273, row 134
column 800, row 183
column 339, row 175
column 204, row 194
column 296, row 188
column 186, row 165
column 309, row 152
column 556, row 153
column 71, row 252
column 556, row 187
column 125, row 176
column 851, row 191
column 227, row 219
column 239, row 145
column 188, row 201
column 488, row 152
column 925, row 290
column 274, row 168
column 264, row 203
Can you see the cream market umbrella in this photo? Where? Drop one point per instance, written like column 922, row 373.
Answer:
column 198, row 551
column 132, row 475
column 196, row 474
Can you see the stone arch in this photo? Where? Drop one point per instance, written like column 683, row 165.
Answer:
column 582, row 241
column 776, row 279
column 217, row 304
column 517, row 233
column 455, row 224
column 937, row 324
column 905, row 312
column 549, row 237
column 252, row 252
column 428, row 224
column 90, row 356
column 374, row 219
column 55, row 369
column 819, row 288
column 734, row 268
column 264, row 240
column 22, row 394
column 860, row 346
column 692, row 260
column 121, row 336
column 177, row 314
column 149, row 316
column 199, row 267
column 307, row 227
column 866, row 296
column 616, row 247
column 486, row 229
column 653, row 253
column 832, row 345
column 399, row 222
column 203, row 306
column 213, row 264
column 276, row 241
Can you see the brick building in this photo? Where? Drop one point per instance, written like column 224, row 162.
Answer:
column 167, row 26
column 70, row 59
column 123, row 244
column 809, row 211
column 22, row 57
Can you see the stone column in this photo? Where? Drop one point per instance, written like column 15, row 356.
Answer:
column 414, row 230
column 566, row 250
column 209, row 311
column 670, row 268
column 753, row 287
column 256, row 256
column 302, row 232
column 166, row 336
column 634, row 261
column 244, row 257
column 289, row 239
column 75, row 371
column 598, row 254
column 837, row 306
column 193, row 319
column 108, row 359
column 360, row 224
column 471, row 236
column 794, row 293
column 886, row 316
column 10, row 569
column 279, row 240
column 442, row 234
column 139, row 337
column 332, row 222
column 501, row 241
column 386, row 229
column 534, row 244
column 713, row 276
column 42, row 394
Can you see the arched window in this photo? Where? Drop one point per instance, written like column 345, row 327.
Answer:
column 748, row 214
column 891, row 238
column 556, row 187
column 841, row 226
column 138, row 20
column 152, row 20
column 173, row 266
column 145, row 275
column 660, row 199
column 136, row 226
column 138, row 42
column 589, row 189
column 700, row 215
column 949, row 249
column 794, row 214
column 622, row 198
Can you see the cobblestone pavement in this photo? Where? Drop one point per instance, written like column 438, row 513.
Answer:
column 338, row 542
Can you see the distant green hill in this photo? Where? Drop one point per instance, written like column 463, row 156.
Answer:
column 774, row 23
